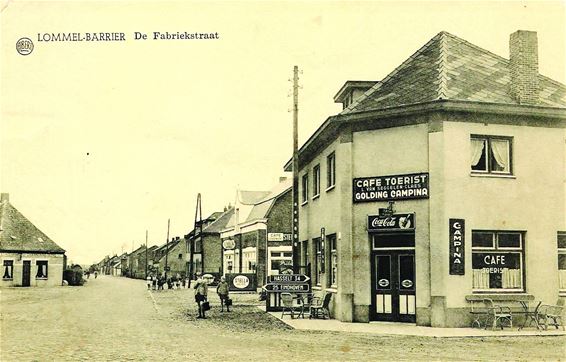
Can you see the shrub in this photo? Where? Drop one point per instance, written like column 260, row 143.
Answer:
column 73, row 277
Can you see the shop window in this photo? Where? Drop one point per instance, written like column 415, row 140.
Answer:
column 249, row 262
column 305, row 188
column 562, row 261
column 497, row 260
column 330, row 170
column 280, row 261
column 8, row 269
column 41, row 269
column 316, row 181
column 333, row 257
column 305, row 257
column 490, row 155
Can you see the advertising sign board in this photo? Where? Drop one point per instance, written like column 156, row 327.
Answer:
column 457, row 234
column 394, row 187
column 400, row 222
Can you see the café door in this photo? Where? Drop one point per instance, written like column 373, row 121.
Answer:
column 393, row 285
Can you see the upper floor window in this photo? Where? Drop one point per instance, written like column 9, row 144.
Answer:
column 331, row 170
column 491, row 154
column 305, row 188
column 316, row 181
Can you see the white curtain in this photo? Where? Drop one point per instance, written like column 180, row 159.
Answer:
column 500, row 150
column 511, row 278
column 476, row 151
column 480, row 279
column 562, row 278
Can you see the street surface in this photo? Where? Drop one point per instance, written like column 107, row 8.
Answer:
column 114, row 318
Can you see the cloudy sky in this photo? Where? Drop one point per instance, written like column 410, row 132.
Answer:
column 103, row 140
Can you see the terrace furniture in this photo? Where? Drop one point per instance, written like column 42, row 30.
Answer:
column 288, row 305
column 304, row 301
column 551, row 314
column 496, row 314
column 319, row 308
column 530, row 316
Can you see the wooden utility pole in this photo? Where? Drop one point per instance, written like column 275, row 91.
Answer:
column 198, row 220
column 167, row 247
column 146, row 254
column 295, row 170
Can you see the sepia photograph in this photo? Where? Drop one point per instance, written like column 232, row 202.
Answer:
column 283, row 180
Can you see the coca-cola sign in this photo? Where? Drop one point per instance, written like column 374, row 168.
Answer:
column 391, row 222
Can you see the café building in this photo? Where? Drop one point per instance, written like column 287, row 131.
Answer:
column 440, row 184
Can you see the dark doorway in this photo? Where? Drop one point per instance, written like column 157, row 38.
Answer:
column 26, row 273
column 393, row 285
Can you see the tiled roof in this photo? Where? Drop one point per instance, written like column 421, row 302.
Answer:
column 18, row 233
column 220, row 222
column 448, row 67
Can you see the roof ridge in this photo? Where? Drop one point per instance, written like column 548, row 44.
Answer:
column 405, row 63
column 442, row 63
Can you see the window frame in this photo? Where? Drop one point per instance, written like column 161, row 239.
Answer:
column 316, row 181
column 305, row 188
column 331, row 171
column 560, row 251
column 37, row 263
column 332, row 244
column 11, row 277
column 488, row 150
column 520, row 250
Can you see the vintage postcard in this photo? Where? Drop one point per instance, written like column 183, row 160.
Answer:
column 290, row 180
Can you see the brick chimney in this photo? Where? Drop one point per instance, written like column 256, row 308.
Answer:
column 523, row 66
column 4, row 197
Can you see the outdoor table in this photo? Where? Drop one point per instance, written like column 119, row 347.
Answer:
column 304, row 300
column 530, row 315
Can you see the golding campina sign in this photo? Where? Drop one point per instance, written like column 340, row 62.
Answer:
column 387, row 188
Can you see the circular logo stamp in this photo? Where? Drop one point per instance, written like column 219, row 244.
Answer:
column 407, row 283
column 24, row 46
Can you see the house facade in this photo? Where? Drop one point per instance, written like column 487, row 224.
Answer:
column 28, row 256
column 257, row 238
column 439, row 185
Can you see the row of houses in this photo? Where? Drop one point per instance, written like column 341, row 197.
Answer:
column 439, row 185
column 251, row 238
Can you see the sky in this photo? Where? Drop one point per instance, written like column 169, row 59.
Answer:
column 101, row 141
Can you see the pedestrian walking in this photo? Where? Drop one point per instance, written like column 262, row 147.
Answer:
column 95, row 274
column 148, row 281
column 201, row 296
column 222, row 290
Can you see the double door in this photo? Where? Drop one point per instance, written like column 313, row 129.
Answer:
column 393, row 285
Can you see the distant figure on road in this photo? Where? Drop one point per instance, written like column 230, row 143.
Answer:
column 88, row 274
column 95, row 274
column 148, row 279
column 201, row 293
column 222, row 290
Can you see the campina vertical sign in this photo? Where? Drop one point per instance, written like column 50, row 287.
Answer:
column 457, row 234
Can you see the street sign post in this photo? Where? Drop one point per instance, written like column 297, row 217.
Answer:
column 292, row 288
column 287, row 278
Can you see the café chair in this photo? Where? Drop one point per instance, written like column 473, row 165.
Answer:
column 551, row 314
column 497, row 314
column 320, row 308
column 288, row 305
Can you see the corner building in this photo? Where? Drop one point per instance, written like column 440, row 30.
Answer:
column 441, row 184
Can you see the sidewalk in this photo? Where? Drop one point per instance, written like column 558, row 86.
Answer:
column 407, row 329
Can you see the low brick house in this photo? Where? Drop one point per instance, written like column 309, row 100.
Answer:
column 28, row 256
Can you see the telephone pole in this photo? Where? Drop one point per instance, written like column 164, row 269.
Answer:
column 146, row 254
column 295, row 170
column 167, row 247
